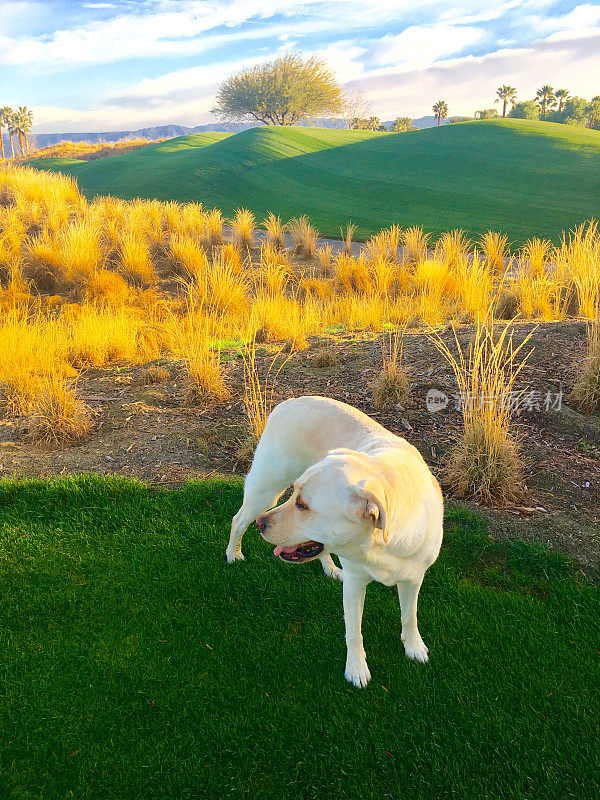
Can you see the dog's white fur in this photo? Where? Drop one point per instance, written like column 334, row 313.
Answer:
column 371, row 499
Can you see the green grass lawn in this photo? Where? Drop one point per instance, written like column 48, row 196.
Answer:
column 136, row 663
column 521, row 177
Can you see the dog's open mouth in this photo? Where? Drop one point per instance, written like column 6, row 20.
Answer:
column 300, row 552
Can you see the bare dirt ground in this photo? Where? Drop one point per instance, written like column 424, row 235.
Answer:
column 147, row 432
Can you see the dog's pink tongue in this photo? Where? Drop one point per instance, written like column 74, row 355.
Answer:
column 280, row 549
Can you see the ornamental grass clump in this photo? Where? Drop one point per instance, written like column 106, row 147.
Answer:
column 486, row 464
column 586, row 391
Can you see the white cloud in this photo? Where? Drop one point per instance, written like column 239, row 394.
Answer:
column 166, row 28
column 179, row 86
column 17, row 16
column 344, row 60
column 420, row 45
column 470, row 83
column 180, row 29
column 580, row 19
column 400, row 72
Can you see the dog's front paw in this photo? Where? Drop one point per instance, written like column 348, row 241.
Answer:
column 334, row 572
column 416, row 649
column 357, row 673
column 331, row 568
column 234, row 555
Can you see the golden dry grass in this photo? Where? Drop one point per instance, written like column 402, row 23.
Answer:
column 486, row 463
column 304, row 236
column 347, row 237
column 325, row 258
column 201, row 353
column 391, row 388
column 58, row 417
column 495, row 249
column 242, row 228
column 453, row 248
column 586, row 391
column 275, row 231
column 259, row 394
column 415, row 242
column 89, row 283
column 89, row 151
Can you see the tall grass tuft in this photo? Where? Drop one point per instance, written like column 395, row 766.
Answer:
column 41, row 261
column 485, row 463
column 353, row 273
column 536, row 254
column 187, row 257
column 134, row 259
column 385, row 275
column 453, row 248
column 415, row 243
column 391, row 387
column 58, row 418
column 304, row 236
column 434, row 284
column 347, row 237
column 586, row 391
column 578, row 258
column 494, row 247
column 213, row 227
column 284, row 319
column 225, row 288
column 201, row 353
column 275, row 231
column 106, row 288
column 258, row 395
column 474, row 286
column 242, row 228
column 274, row 273
column 325, row 258
column 80, row 252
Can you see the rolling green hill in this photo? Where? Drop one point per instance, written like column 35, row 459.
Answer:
column 524, row 178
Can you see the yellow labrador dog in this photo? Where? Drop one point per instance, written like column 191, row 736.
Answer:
column 359, row 492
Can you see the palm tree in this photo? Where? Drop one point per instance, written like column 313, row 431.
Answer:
column 562, row 95
column 545, row 99
column 11, row 124
column 440, row 109
column 25, row 123
column 5, row 114
column 506, row 94
column 15, row 129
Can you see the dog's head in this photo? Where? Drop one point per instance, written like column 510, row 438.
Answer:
column 337, row 506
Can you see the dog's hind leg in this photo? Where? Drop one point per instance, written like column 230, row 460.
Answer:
column 414, row 646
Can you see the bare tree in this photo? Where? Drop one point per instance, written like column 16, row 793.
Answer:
column 356, row 106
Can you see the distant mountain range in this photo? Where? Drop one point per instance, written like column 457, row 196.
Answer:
column 171, row 131
column 156, row 132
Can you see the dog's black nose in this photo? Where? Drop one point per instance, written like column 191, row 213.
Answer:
column 261, row 523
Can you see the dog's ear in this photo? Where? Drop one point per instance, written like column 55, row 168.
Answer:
column 368, row 502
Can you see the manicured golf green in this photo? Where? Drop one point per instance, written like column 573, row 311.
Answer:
column 136, row 663
column 517, row 176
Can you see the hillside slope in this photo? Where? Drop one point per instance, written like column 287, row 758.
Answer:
column 524, row 178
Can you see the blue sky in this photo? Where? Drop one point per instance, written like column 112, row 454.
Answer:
column 126, row 64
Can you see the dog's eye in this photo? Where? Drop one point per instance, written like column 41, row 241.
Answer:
column 301, row 504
